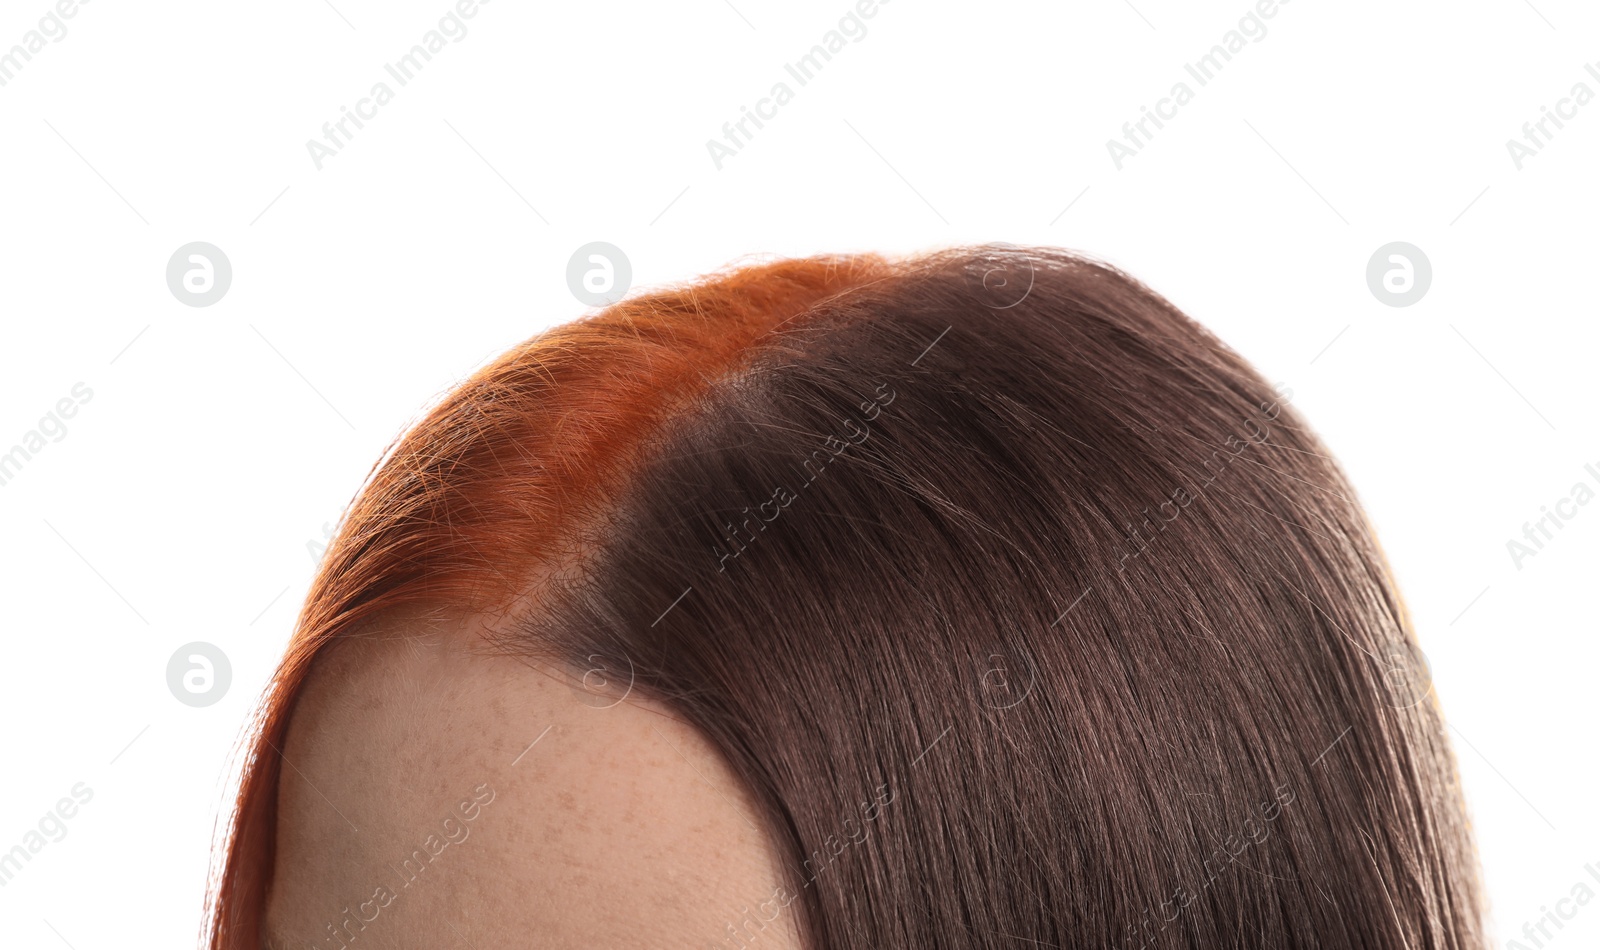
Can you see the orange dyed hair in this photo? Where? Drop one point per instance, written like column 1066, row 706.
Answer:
column 518, row 460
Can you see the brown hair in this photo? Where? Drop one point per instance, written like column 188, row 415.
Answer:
column 992, row 548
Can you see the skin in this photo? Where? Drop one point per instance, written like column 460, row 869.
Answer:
column 620, row 827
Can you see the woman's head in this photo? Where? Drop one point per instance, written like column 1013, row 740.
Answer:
column 975, row 599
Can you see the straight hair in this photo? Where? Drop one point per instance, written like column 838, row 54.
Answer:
column 1030, row 613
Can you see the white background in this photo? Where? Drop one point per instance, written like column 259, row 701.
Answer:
column 219, row 441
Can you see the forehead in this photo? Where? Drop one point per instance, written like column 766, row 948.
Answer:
column 434, row 795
